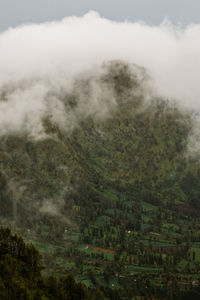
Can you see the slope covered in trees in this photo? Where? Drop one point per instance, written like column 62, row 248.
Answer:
column 121, row 179
column 140, row 147
column 20, row 274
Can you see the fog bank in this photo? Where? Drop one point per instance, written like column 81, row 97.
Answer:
column 38, row 64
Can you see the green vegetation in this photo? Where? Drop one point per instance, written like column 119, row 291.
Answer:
column 20, row 274
column 116, row 201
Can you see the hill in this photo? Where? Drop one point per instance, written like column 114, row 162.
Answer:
column 115, row 198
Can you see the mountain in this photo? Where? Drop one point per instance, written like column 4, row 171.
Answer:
column 120, row 179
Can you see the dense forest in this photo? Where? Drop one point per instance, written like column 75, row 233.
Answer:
column 115, row 200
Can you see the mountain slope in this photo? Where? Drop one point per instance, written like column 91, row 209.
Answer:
column 120, row 182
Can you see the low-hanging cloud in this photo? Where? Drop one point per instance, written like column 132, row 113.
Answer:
column 38, row 64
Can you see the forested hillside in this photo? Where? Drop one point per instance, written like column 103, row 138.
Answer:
column 122, row 180
column 20, row 274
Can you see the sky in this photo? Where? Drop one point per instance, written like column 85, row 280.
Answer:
column 152, row 12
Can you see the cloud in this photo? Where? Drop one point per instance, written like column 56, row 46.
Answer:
column 49, row 207
column 39, row 63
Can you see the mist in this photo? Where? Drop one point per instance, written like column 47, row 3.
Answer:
column 41, row 64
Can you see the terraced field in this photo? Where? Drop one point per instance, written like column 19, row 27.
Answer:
column 111, row 255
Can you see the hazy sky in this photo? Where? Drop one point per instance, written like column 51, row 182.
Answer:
column 16, row 12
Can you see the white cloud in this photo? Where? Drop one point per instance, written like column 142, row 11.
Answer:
column 37, row 61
